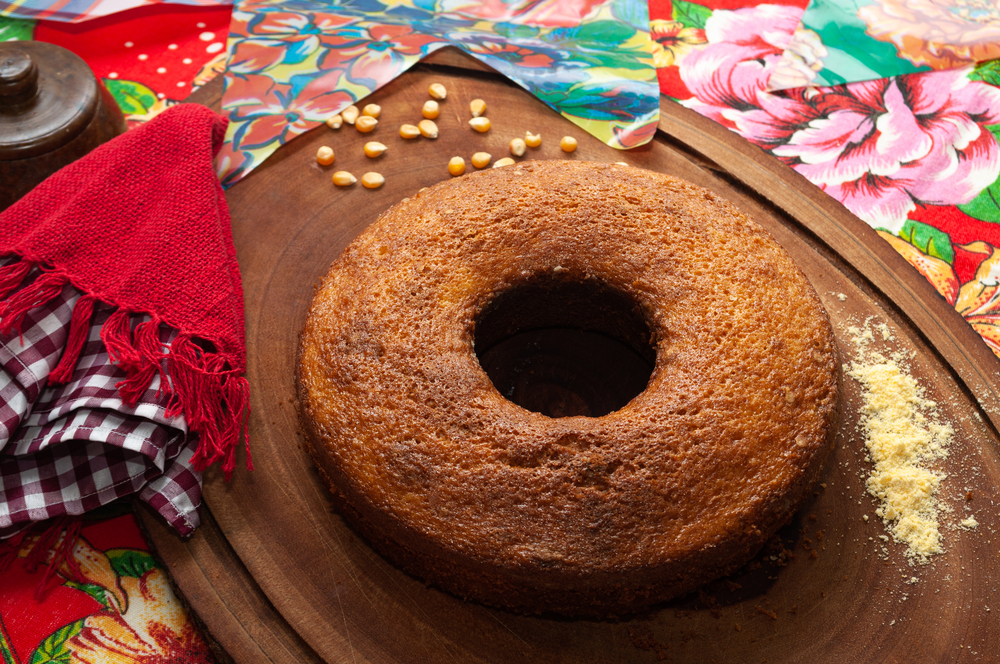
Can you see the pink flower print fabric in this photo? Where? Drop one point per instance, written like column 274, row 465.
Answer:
column 879, row 147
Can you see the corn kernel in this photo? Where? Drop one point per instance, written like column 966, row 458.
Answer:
column 343, row 179
column 371, row 110
column 481, row 159
column 517, row 147
column 480, row 124
column 437, row 91
column 532, row 140
column 568, row 144
column 409, row 131
column 506, row 161
column 374, row 149
column 477, row 107
column 336, row 122
column 324, row 156
column 428, row 129
column 456, row 166
column 431, row 109
column 372, row 180
column 350, row 114
column 365, row 124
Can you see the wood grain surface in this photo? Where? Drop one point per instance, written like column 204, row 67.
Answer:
column 276, row 575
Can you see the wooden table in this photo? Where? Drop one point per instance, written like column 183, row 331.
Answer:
column 277, row 576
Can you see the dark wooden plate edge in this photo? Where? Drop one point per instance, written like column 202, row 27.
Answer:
column 841, row 233
column 239, row 621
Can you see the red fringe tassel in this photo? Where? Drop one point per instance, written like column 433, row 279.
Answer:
column 79, row 326
column 146, row 344
column 9, row 548
column 203, row 385
column 116, row 334
column 12, row 275
column 12, row 311
column 214, row 399
column 59, row 548
column 51, row 547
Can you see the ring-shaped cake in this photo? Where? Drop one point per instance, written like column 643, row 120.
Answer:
column 575, row 515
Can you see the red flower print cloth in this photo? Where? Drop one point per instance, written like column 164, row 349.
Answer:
column 149, row 58
column 108, row 601
column 139, row 228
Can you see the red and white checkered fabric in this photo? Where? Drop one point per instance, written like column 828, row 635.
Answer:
column 66, row 449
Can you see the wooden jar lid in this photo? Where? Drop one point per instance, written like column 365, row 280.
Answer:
column 48, row 96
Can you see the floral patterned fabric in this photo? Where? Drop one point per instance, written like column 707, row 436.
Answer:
column 296, row 63
column 76, row 11
column 149, row 58
column 914, row 156
column 109, row 602
column 859, row 40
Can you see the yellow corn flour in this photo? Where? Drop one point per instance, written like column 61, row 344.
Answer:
column 902, row 437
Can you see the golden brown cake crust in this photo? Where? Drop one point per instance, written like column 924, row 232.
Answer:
column 574, row 515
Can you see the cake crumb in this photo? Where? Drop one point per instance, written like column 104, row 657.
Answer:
column 902, row 434
column 841, row 297
column 969, row 524
column 773, row 615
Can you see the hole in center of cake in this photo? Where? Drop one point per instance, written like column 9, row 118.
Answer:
column 565, row 348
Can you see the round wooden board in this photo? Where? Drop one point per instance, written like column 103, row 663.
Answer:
column 276, row 575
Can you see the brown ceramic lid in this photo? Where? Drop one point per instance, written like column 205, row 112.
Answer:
column 48, row 96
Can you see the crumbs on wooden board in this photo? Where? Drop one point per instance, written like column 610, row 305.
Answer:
column 904, row 435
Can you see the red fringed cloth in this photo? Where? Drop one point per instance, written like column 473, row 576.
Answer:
column 121, row 328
